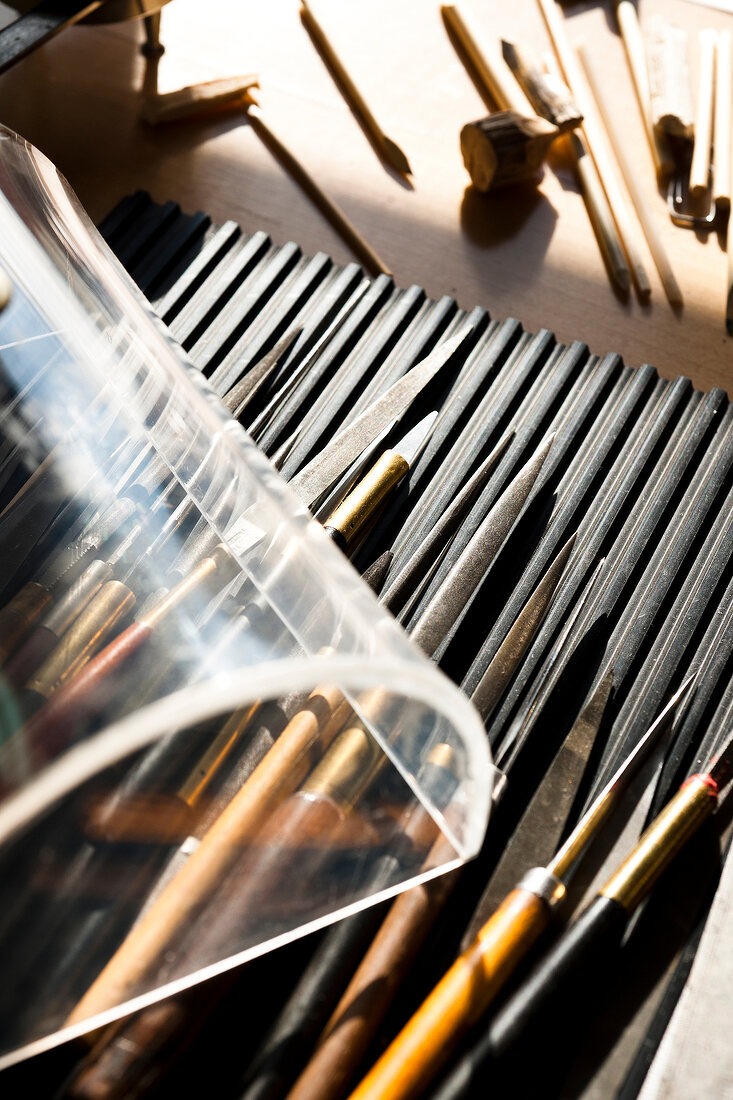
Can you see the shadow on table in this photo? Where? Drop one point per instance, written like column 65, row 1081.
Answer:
column 491, row 219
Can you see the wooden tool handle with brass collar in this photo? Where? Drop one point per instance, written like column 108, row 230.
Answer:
column 465, row 991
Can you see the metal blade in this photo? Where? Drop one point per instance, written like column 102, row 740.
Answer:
column 494, row 681
column 375, row 573
column 318, row 476
column 427, row 557
column 411, row 445
column 593, row 818
column 239, row 395
column 514, row 739
column 448, row 603
column 542, row 824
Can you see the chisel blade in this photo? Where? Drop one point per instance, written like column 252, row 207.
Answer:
column 318, row 476
column 542, row 824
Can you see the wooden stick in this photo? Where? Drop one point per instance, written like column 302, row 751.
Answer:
column 700, row 167
column 669, row 282
column 669, row 79
column 729, row 295
column 628, row 22
column 596, row 141
column 495, row 76
column 594, row 197
column 276, row 777
column 328, row 208
column 388, row 148
column 547, row 93
column 722, row 143
column 196, row 99
column 600, row 214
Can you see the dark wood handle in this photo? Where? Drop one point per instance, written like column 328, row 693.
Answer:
column 546, row 1008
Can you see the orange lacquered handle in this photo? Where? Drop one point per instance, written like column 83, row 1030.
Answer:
column 475, row 978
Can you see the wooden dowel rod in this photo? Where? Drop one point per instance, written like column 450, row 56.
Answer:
column 659, row 255
column 366, row 254
column 196, row 99
column 600, row 214
column 729, row 294
column 721, row 139
column 497, row 80
column 596, row 141
column 388, row 148
column 700, row 167
column 669, row 80
column 160, row 927
column 594, row 197
column 628, row 22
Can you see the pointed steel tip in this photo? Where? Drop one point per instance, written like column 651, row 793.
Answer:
column 493, row 456
column 294, row 333
column 412, row 444
column 677, row 697
column 500, row 782
column 682, row 690
column 540, row 453
column 502, row 445
column 536, row 460
column 376, row 573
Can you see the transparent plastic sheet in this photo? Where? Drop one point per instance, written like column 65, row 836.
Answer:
column 198, row 802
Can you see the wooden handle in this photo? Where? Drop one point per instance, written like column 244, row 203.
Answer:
column 600, row 215
column 628, row 22
column 596, row 140
column 700, row 167
column 274, row 778
column 329, row 209
column 722, row 145
column 352, row 93
column 544, row 1006
column 457, row 1001
column 496, row 78
column 629, row 173
column 360, row 1011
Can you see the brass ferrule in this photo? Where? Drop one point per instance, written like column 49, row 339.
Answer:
column 582, row 835
column 345, row 769
column 83, row 638
column 73, row 602
column 28, row 603
column 219, row 564
column 680, row 818
column 361, row 504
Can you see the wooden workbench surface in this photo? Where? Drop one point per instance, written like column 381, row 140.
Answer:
column 529, row 254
